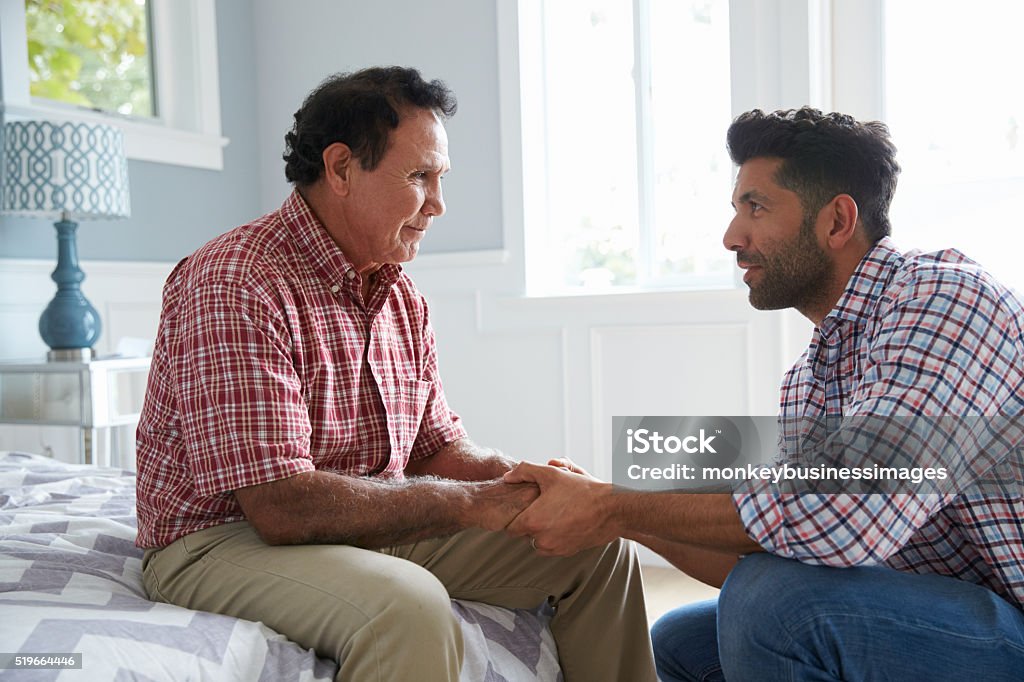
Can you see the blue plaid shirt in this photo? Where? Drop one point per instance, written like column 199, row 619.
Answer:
column 915, row 335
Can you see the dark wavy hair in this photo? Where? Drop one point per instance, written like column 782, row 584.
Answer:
column 824, row 155
column 357, row 109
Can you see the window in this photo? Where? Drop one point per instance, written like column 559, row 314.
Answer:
column 625, row 111
column 91, row 53
column 184, row 126
column 623, row 107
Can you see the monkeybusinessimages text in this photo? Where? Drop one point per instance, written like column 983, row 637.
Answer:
column 644, row 441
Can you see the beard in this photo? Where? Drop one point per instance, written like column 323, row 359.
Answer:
column 796, row 274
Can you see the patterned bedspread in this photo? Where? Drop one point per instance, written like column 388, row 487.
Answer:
column 71, row 581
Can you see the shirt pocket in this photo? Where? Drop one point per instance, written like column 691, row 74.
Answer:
column 405, row 407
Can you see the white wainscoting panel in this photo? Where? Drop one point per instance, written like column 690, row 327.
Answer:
column 665, row 370
column 543, row 373
column 508, row 387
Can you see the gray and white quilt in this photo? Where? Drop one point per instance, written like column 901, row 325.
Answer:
column 71, row 582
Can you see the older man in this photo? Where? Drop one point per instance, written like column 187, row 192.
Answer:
column 827, row 586
column 298, row 463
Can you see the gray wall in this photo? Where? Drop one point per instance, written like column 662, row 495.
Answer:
column 301, row 42
column 175, row 209
column 271, row 54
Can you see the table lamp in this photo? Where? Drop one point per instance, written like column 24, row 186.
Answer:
column 66, row 170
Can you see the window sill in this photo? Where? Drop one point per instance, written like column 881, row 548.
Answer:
column 702, row 284
column 627, row 295
column 144, row 141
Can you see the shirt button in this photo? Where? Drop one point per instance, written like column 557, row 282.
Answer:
column 351, row 274
column 335, row 288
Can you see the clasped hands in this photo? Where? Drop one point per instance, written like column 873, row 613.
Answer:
column 571, row 510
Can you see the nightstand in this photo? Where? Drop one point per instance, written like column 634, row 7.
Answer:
column 100, row 394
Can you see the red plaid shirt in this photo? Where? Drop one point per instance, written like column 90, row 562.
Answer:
column 920, row 335
column 268, row 364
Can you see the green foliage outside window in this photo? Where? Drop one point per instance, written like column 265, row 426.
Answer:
column 93, row 53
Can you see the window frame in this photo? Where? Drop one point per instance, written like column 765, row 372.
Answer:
column 829, row 54
column 789, row 66
column 186, row 131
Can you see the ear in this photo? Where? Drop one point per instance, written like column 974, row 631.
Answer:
column 338, row 162
column 842, row 216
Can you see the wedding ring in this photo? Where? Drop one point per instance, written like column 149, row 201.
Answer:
column 533, row 543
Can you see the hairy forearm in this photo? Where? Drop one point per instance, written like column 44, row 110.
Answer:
column 708, row 521
column 320, row 507
column 708, row 566
column 462, row 460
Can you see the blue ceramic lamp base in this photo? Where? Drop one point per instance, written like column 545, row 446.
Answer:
column 69, row 325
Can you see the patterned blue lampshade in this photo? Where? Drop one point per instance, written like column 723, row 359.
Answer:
column 51, row 168
column 67, row 171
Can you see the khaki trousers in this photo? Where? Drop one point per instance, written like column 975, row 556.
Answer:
column 385, row 614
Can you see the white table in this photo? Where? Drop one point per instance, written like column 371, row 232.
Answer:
column 105, row 393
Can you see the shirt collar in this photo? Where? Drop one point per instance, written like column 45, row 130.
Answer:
column 869, row 280
column 858, row 302
column 325, row 257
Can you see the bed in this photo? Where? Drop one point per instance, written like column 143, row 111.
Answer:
column 71, row 582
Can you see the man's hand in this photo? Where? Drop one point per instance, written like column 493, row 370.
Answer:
column 572, row 513
column 569, row 465
column 494, row 504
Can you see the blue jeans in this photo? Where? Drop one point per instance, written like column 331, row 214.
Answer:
column 778, row 619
